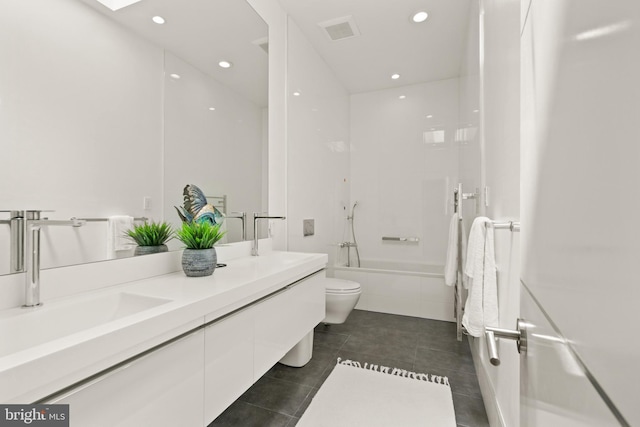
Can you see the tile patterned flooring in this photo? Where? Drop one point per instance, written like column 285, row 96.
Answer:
column 280, row 397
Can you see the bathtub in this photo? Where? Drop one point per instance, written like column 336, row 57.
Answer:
column 405, row 288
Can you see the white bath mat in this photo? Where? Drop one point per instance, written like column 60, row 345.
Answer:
column 356, row 395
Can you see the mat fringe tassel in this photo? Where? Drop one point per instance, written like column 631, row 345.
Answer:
column 395, row 371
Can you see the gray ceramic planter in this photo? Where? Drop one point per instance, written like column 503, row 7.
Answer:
column 145, row 250
column 199, row 262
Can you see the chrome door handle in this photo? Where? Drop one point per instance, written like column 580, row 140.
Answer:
column 519, row 335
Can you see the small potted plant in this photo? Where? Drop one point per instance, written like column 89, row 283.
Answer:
column 199, row 257
column 151, row 237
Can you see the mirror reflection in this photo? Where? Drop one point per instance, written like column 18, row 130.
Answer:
column 107, row 113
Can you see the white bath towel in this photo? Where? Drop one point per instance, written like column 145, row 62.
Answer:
column 456, row 250
column 116, row 240
column 451, row 263
column 481, row 308
column 456, row 255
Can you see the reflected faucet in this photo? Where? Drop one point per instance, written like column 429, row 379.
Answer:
column 256, row 217
column 242, row 216
column 33, row 225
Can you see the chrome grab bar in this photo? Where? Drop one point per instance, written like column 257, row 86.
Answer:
column 401, row 239
column 519, row 335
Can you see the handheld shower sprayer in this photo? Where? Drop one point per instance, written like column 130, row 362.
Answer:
column 350, row 217
column 353, row 235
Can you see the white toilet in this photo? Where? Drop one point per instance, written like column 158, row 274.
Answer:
column 342, row 296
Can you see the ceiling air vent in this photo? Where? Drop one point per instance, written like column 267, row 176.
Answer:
column 340, row 28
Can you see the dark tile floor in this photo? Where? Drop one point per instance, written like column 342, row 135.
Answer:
column 279, row 398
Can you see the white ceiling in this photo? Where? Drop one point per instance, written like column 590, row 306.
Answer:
column 203, row 32
column 389, row 42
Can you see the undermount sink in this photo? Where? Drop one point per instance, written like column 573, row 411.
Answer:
column 25, row 328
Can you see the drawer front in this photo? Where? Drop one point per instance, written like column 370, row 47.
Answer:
column 162, row 388
column 228, row 362
column 285, row 319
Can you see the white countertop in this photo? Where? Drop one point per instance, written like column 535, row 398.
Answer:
column 32, row 370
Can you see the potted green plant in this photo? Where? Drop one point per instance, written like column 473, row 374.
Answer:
column 151, row 237
column 199, row 257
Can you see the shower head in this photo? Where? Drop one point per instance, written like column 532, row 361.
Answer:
column 353, row 209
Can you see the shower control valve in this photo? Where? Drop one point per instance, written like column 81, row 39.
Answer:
column 347, row 245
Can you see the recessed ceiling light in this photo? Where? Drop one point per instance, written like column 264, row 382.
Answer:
column 158, row 19
column 402, row 96
column 225, row 64
column 429, row 116
column 212, row 108
column 395, row 76
column 296, row 93
column 475, row 111
column 419, row 16
column 174, row 76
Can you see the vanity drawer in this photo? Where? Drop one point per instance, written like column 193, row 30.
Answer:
column 163, row 387
column 228, row 361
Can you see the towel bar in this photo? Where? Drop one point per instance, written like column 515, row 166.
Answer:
column 401, row 239
column 142, row 218
column 519, row 335
column 507, row 225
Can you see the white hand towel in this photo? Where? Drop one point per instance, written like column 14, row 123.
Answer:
column 116, row 240
column 451, row 264
column 481, row 308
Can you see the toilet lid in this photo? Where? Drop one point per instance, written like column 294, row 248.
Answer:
column 341, row 285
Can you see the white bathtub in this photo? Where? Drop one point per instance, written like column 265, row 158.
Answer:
column 405, row 288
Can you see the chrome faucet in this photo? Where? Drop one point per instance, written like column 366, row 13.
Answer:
column 33, row 224
column 242, row 216
column 256, row 217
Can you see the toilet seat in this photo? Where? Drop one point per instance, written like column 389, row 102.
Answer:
column 341, row 297
column 341, row 286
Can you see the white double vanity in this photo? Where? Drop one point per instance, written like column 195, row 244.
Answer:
column 165, row 350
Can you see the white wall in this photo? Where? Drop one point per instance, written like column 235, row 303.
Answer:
column 318, row 148
column 276, row 18
column 490, row 79
column 469, row 173
column 404, row 166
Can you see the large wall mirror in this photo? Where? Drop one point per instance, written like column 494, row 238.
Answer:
column 106, row 112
